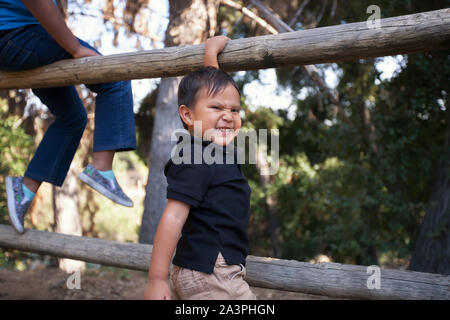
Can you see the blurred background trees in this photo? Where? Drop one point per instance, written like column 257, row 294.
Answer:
column 364, row 160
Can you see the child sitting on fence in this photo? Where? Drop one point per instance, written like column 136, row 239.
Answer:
column 33, row 33
column 208, row 204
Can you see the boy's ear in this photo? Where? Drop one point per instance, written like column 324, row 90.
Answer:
column 186, row 115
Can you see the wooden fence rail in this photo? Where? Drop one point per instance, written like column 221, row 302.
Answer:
column 329, row 279
column 398, row 35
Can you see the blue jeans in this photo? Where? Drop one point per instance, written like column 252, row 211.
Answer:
column 31, row 46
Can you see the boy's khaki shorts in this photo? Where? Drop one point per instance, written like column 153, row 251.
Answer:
column 225, row 283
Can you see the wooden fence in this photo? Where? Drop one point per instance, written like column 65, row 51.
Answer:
column 329, row 279
column 399, row 35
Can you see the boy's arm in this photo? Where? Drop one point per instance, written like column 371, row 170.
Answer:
column 48, row 15
column 213, row 47
column 166, row 239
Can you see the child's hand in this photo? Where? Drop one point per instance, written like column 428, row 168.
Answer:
column 213, row 47
column 157, row 289
column 82, row 52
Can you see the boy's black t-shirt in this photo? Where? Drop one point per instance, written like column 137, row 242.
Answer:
column 219, row 196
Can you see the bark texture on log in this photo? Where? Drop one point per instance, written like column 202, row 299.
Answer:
column 329, row 279
column 399, row 35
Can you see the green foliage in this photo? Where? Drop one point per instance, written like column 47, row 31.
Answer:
column 356, row 188
column 15, row 150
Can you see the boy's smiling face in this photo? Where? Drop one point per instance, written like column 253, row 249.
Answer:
column 219, row 115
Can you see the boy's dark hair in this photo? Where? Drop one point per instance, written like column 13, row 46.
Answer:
column 210, row 78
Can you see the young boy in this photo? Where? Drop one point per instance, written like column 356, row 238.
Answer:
column 33, row 33
column 208, row 204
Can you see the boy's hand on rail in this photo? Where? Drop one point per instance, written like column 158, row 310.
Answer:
column 213, row 47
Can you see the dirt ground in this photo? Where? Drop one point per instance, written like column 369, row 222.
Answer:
column 47, row 283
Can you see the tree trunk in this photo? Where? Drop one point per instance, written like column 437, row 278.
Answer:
column 274, row 227
column 166, row 121
column 188, row 24
column 368, row 129
column 432, row 248
column 67, row 216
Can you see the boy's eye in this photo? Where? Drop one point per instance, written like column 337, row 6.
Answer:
column 216, row 107
column 235, row 110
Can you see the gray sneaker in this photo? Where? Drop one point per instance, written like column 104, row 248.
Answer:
column 18, row 204
column 108, row 188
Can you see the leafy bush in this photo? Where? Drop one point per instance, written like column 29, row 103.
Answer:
column 16, row 148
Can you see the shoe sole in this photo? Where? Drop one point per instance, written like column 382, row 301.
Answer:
column 102, row 190
column 11, row 207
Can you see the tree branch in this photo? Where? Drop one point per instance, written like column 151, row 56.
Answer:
column 320, row 16
column 312, row 70
column 298, row 13
column 117, row 22
column 333, row 8
column 270, row 16
column 247, row 12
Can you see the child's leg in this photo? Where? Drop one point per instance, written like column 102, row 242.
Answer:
column 32, row 46
column 239, row 287
column 29, row 47
column 25, row 48
column 230, row 279
column 173, row 280
column 114, row 121
column 31, row 184
column 114, row 131
column 114, row 117
column 55, row 153
column 225, row 283
column 102, row 160
column 187, row 284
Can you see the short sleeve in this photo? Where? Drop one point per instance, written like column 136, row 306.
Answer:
column 187, row 182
